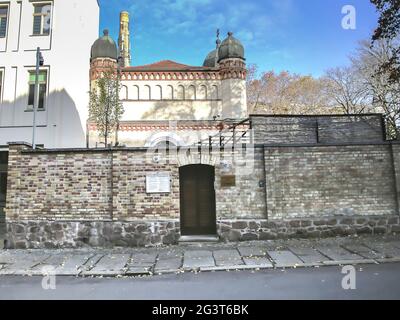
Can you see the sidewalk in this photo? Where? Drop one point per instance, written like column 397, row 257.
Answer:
column 254, row 255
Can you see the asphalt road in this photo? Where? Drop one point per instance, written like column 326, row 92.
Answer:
column 372, row 282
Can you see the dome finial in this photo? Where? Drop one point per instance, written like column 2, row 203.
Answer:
column 230, row 48
column 104, row 47
column 218, row 41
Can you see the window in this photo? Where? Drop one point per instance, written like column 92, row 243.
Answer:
column 214, row 93
column 181, row 93
column 3, row 21
column 191, row 93
column 170, row 93
column 135, row 95
column 203, row 93
column 146, row 93
column 41, row 19
column 123, row 93
column 42, row 89
column 157, row 94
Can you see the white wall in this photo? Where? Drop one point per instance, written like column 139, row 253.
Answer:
column 158, row 105
column 234, row 103
column 66, row 51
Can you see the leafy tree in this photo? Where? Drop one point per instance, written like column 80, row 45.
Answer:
column 285, row 93
column 105, row 108
column 389, row 29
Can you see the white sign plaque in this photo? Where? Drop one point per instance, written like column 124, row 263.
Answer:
column 158, row 183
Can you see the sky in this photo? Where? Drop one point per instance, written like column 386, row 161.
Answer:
column 300, row 36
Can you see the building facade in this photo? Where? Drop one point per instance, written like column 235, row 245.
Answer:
column 181, row 103
column 64, row 30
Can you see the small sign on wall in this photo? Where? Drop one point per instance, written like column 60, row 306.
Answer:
column 159, row 182
column 228, row 181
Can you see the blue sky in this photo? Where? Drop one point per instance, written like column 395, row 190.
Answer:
column 302, row 36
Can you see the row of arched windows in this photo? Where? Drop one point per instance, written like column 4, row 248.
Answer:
column 168, row 92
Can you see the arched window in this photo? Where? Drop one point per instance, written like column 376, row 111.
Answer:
column 146, row 93
column 169, row 94
column 135, row 93
column 181, row 93
column 191, row 93
column 123, row 94
column 202, row 95
column 214, row 93
column 157, row 93
column 163, row 139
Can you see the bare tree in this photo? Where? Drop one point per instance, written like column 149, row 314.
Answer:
column 384, row 90
column 345, row 89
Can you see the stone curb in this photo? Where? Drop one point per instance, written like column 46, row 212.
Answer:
column 121, row 273
column 347, row 262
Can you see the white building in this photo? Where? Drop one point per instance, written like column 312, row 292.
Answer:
column 168, row 101
column 65, row 31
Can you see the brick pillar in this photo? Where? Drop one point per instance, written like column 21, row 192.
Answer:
column 13, row 178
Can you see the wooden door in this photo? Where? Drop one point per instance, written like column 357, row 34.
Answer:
column 197, row 200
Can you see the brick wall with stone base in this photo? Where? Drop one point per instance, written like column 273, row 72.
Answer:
column 75, row 234
column 322, row 227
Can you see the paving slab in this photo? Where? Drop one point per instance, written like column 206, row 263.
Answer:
column 385, row 249
column 364, row 251
column 168, row 264
column 247, row 251
column 54, row 260
column 91, row 262
column 171, row 253
column 308, row 255
column 110, row 264
column 196, row 259
column 48, row 265
column 227, row 257
column 143, row 259
column 395, row 244
column 73, row 264
column 258, row 262
column 285, row 258
column 335, row 252
column 22, row 264
column 197, row 253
